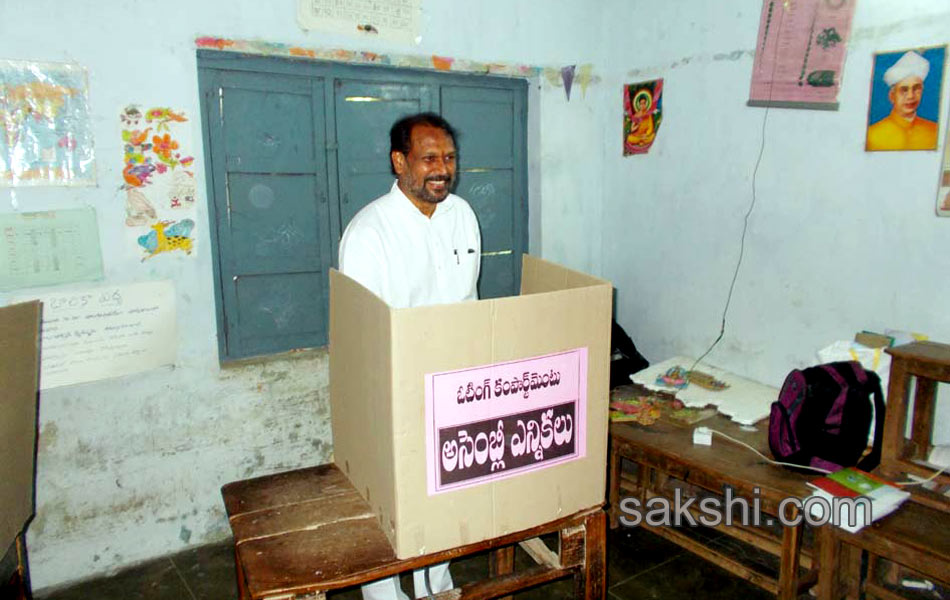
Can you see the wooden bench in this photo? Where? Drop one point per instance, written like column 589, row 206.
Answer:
column 914, row 537
column 663, row 453
column 303, row 533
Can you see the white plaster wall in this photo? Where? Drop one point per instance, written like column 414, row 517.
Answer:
column 130, row 468
column 839, row 240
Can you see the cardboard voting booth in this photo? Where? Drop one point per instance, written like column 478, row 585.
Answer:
column 463, row 422
column 19, row 371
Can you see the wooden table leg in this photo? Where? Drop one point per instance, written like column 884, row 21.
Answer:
column 591, row 581
column 502, row 562
column 241, row 583
column 895, row 419
column 613, row 485
column 788, row 562
column 828, row 547
column 921, row 430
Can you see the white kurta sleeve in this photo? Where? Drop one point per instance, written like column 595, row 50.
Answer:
column 362, row 258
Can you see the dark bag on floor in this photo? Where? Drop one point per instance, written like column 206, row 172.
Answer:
column 823, row 415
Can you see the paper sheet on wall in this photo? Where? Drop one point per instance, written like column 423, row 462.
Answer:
column 392, row 20
column 799, row 56
column 105, row 332
column 744, row 401
column 45, row 130
column 159, row 181
column 49, row 248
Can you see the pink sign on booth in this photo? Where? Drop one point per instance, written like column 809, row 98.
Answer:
column 496, row 421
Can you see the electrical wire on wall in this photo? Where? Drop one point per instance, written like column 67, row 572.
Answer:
column 745, row 228
column 745, row 220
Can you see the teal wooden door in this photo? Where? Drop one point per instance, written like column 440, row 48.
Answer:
column 268, row 151
column 365, row 111
column 295, row 148
column 491, row 128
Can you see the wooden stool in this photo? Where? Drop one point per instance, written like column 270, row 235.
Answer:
column 302, row 533
column 914, row 537
column 929, row 362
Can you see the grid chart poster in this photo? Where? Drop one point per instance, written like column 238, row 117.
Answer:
column 800, row 52
column 396, row 20
column 496, row 421
column 49, row 248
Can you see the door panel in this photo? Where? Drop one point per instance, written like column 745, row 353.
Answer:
column 272, row 218
column 295, row 148
column 491, row 134
column 365, row 111
column 263, row 131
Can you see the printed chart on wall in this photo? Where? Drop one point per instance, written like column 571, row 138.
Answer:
column 800, row 52
column 159, row 181
column 104, row 332
column 496, row 421
column 45, row 133
column 396, row 20
column 49, row 248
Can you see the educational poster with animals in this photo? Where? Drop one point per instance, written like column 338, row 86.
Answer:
column 642, row 114
column 45, row 132
column 158, row 181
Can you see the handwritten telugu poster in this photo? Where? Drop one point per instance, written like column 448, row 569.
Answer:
column 495, row 421
column 800, row 52
column 45, row 130
column 49, row 248
column 396, row 20
column 105, row 332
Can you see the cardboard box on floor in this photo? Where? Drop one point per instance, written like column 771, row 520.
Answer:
column 19, row 371
column 382, row 362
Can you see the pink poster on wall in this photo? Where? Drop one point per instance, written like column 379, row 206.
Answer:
column 496, row 421
column 800, row 53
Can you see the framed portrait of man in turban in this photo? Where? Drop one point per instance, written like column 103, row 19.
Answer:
column 904, row 109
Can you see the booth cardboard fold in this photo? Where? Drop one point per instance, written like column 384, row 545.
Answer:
column 379, row 360
column 19, row 372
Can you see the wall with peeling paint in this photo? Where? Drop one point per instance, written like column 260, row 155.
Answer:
column 839, row 240
column 130, row 468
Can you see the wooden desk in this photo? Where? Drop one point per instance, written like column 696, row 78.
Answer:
column 929, row 363
column 663, row 454
column 914, row 536
column 302, row 533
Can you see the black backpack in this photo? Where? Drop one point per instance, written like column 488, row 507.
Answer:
column 823, row 415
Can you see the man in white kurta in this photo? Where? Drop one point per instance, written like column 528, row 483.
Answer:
column 409, row 259
column 417, row 245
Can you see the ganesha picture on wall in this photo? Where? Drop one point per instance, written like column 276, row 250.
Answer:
column 642, row 115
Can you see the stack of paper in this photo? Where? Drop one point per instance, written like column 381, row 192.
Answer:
column 744, row 401
column 843, row 492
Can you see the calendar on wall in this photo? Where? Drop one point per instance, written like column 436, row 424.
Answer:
column 390, row 19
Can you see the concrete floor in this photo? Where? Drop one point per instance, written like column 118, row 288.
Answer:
column 640, row 565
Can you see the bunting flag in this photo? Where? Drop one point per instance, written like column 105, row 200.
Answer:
column 567, row 74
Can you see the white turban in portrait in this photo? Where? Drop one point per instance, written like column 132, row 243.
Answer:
column 909, row 65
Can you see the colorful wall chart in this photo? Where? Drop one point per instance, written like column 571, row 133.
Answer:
column 158, row 179
column 45, row 132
